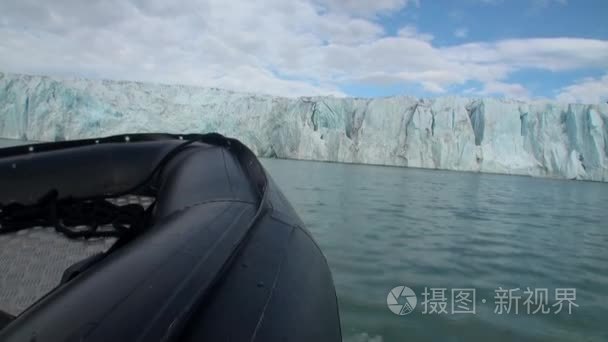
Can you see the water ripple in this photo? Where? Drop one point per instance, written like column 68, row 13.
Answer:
column 381, row 227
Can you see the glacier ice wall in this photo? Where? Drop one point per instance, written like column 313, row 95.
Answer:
column 485, row 135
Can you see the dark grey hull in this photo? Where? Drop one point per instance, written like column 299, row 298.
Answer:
column 222, row 256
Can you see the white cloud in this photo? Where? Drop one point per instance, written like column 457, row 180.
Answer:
column 461, row 32
column 344, row 30
column 553, row 54
column 410, row 31
column 297, row 47
column 511, row 90
column 588, row 90
column 215, row 43
column 366, row 8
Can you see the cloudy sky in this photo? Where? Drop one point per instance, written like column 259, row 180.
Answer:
column 524, row 49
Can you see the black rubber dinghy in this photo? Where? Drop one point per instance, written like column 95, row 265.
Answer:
column 220, row 255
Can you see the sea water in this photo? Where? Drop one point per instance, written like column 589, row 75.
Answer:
column 444, row 231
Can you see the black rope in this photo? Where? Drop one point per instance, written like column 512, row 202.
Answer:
column 67, row 214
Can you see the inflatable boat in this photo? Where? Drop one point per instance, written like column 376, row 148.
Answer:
column 218, row 255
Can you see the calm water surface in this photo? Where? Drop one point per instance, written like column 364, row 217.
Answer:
column 381, row 227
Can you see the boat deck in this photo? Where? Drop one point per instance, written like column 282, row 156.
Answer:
column 32, row 261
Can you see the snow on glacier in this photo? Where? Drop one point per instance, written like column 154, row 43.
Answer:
column 485, row 135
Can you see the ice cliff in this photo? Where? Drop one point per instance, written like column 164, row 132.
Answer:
column 485, row 135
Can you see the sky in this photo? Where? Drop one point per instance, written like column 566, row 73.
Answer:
column 522, row 49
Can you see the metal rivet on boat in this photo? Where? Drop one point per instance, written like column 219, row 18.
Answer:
column 127, row 139
column 14, row 166
column 97, row 141
column 31, row 148
column 180, row 137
